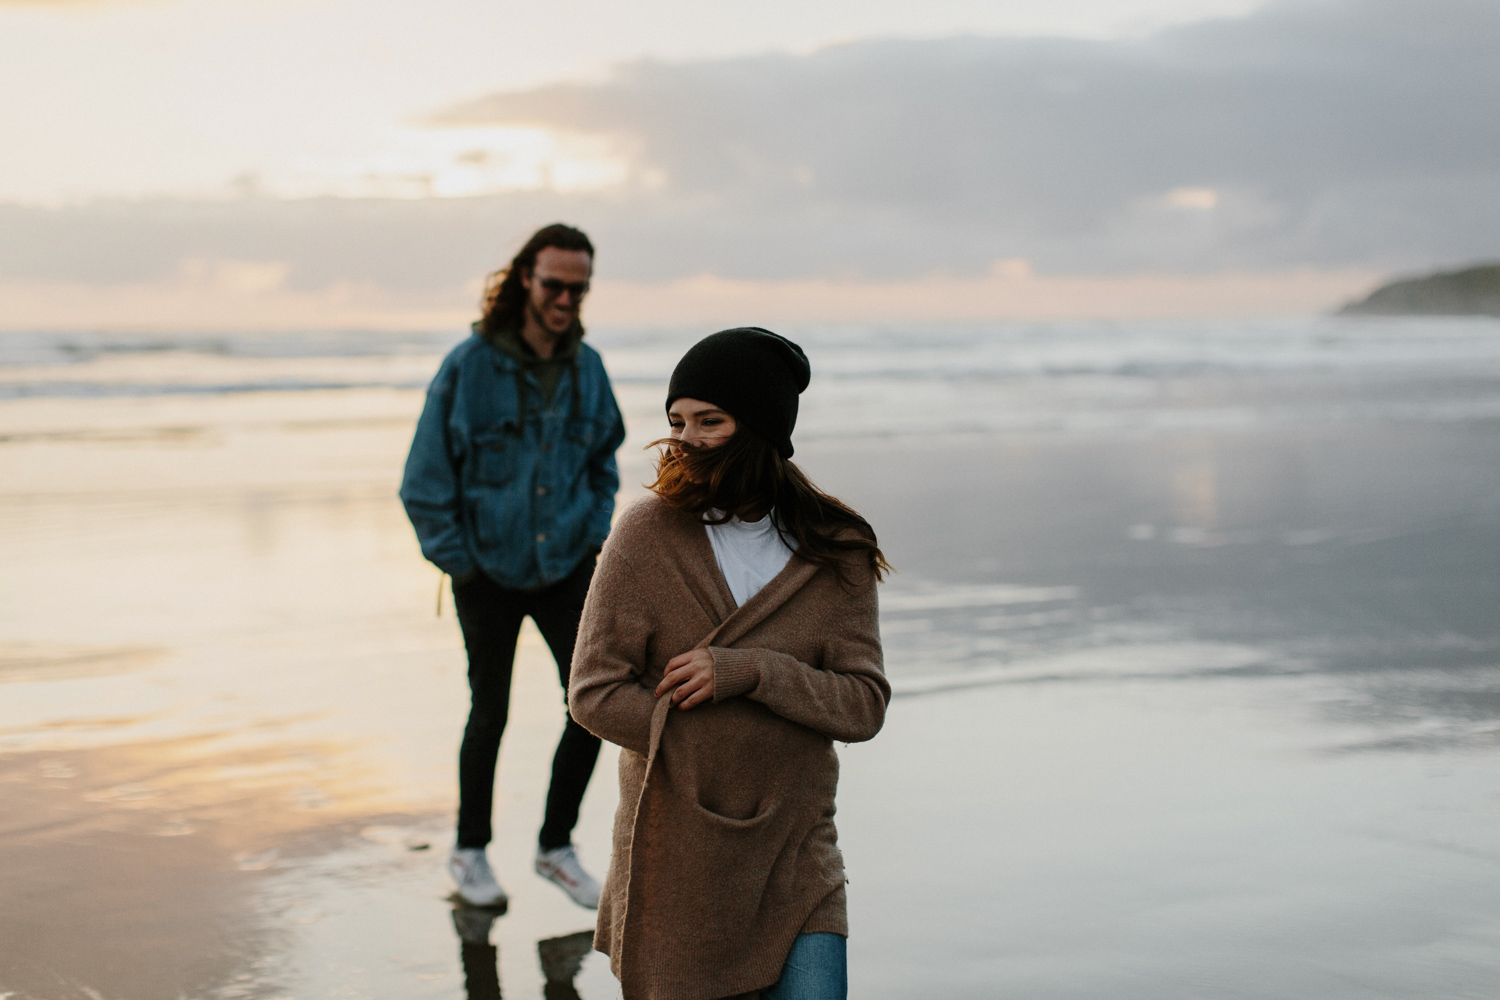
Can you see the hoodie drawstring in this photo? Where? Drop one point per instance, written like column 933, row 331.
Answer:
column 575, row 395
column 521, row 399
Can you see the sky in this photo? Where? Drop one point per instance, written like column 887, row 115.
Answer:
column 283, row 163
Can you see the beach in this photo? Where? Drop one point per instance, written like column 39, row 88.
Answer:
column 1194, row 642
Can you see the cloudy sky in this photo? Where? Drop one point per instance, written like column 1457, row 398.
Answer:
column 252, row 163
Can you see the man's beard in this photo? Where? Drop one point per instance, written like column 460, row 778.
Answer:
column 536, row 314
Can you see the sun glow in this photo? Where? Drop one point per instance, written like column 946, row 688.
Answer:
column 455, row 163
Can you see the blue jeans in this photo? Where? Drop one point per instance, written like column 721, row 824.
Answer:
column 816, row 968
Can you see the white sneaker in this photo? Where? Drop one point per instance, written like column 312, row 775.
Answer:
column 560, row 865
column 476, row 881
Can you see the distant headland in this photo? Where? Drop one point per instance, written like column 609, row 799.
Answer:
column 1473, row 291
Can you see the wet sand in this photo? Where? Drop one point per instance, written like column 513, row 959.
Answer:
column 1253, row 755
column 230, row 714
column 1208, row 710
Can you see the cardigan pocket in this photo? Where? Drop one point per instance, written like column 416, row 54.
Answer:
column 763, row 813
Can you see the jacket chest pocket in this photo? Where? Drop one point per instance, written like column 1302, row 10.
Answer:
column 496, row 456
column 580, row 433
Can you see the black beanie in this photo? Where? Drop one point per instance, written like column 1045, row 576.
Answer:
column 754, row 375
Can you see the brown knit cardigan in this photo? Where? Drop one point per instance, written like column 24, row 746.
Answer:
column 724, row 844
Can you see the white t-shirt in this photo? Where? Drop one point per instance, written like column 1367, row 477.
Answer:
column 750, row 554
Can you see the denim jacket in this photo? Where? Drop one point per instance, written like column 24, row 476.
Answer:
column 498, row 481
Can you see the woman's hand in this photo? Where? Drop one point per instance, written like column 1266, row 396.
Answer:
column 690, row 678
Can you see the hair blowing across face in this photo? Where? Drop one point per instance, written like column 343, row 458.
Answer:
column 746, row 478
column 504, row 295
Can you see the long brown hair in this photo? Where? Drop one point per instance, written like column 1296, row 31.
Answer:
column 504, row 302
column 746, row 478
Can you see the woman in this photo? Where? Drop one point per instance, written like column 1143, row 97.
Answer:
column 729, row 637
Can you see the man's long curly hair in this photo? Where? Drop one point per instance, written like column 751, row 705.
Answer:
column 747, row 478
column 504, row 303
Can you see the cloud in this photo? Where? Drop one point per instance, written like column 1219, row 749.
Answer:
column 450, row 163
column 1319, row 137
column 1328, row 132
column 400, row 244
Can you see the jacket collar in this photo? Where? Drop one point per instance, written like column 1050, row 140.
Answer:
column 734, row 622
column 509, row 353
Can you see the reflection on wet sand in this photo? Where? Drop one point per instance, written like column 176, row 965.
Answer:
column 561, row 957
column 562, row 960
column 227, row 710
column 481, row 960
column 131, row 870
column 125, row 911
column 32, row 662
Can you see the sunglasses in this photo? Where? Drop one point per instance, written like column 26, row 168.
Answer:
column 556, row 286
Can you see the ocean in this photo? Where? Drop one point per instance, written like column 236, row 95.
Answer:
column 1195, row 639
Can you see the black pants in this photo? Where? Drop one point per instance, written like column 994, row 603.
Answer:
column 490, row 616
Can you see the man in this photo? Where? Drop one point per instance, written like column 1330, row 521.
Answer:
column 510, row 485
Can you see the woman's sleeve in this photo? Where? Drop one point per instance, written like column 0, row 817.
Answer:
column 844, row 700
column 605, row 694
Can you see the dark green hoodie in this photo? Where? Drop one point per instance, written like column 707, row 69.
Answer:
column 547, row 371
